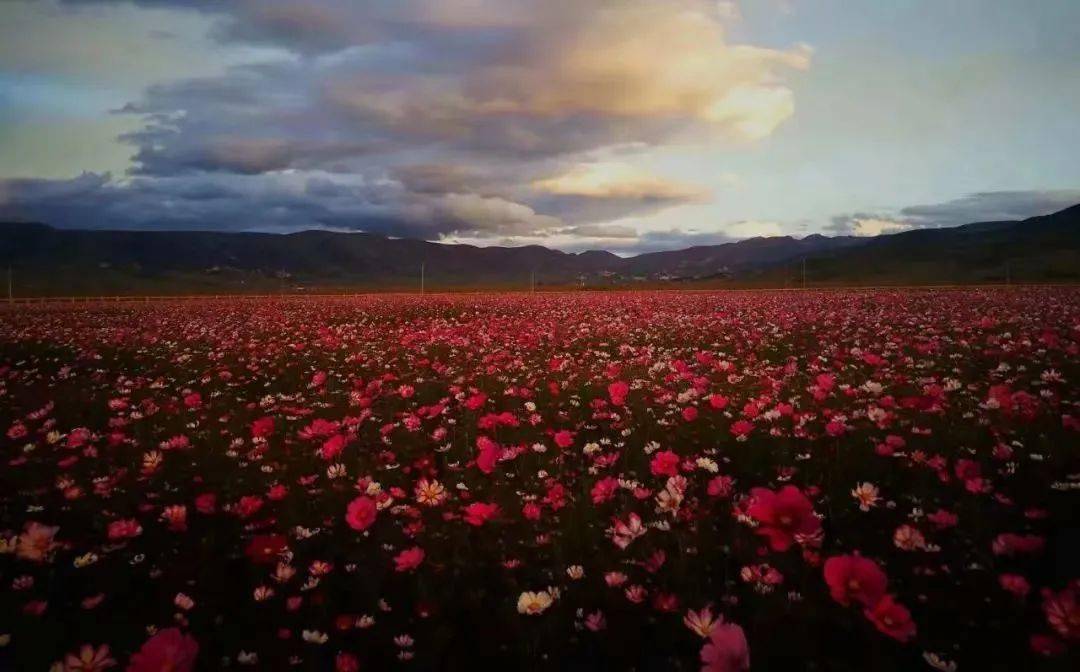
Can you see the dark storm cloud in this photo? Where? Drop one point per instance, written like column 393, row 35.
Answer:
column 238, row 203
column 365, row 115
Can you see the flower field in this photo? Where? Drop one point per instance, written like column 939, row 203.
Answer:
column 842, row 480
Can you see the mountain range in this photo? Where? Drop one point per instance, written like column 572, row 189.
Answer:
column 50, row 261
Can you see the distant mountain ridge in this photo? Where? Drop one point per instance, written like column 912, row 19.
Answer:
column 50, row 261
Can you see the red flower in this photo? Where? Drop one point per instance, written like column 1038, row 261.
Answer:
column 409, row 559
column 564, row 438
column 689, row 414
column 892, row 619
column 783, row 515
column 853, row 577
column 478, row 513
column 604, row 489
column 169, row 650
column 333, row 446
column 742, row 428
column 265, row 548
column 1015, row 584
column 346, row 662
column 718, row 401
column 1010, row 544
column 262, row 427
column 618, row 392
column 248, row 506
column 1062, row 611
column 531, row 511
column 1047, row 645
column 665, row 463
column 124, row 529
column 720, row 486
column 489, row 454
column 361, row 513
column 206, row 503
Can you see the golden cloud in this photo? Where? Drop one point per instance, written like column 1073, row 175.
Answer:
column 617, row 180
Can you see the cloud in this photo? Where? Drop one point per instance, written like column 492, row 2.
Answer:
column 988, row 206
column 618, row 181
column 991, row 206
column 863, row 224
column 363, row 115
column 279, row 203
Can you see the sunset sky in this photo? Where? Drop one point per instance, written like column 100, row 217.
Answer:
column 628, row 125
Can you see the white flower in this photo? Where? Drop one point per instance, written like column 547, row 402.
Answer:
column 533, row 604
column 314, row 637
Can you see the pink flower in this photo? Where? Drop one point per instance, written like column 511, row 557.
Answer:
column 169, row 650
column 361, row 513
column 478, row 513
column 604, row 489
column 727, row 649
column 665, row 463
column 720, row 486
column 564, row 438
column 409, row 559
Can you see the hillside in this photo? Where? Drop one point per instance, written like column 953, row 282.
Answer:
column 50, row 261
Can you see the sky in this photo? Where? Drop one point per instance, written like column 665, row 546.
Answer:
column 627, row 125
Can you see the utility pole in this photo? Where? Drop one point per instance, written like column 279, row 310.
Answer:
column 532, row 282
column 421, row 277
column 804, row 272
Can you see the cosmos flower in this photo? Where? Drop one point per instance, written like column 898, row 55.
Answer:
column 169, row 650
column 89, row 659
column 533, row 603
column 727, row 649
column 36, row 543
column 866, row 494
column 361, row 513
column 891, row 618
column 478, row 513
column 853, row 578
column 409, row 559
column 782, row 516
